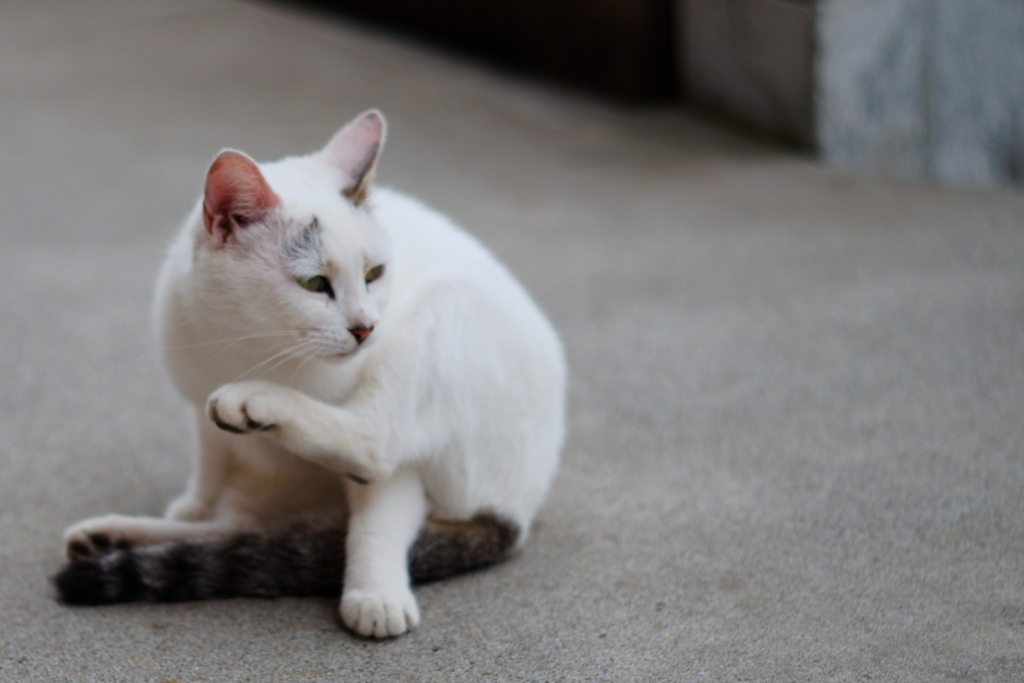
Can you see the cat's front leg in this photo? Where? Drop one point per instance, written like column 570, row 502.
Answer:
column 384, row 518
column 329, row 435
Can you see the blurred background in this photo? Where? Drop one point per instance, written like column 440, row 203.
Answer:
column 915, row 89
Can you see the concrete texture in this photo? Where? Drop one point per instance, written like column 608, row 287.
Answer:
column 796, row 450
column 923, row 89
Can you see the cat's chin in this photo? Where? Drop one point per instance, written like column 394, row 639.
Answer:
column 340, row 355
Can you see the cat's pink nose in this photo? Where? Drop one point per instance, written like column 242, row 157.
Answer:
column 361, row 333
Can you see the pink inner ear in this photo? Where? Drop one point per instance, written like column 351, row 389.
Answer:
column 354, row 148
column 236, row 194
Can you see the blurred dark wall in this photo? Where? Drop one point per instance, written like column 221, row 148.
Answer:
column 619, row 48
column 919, row 89
column 752, row 62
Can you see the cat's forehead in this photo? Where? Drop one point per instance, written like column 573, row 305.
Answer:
column 305, row 182
column 317, row 213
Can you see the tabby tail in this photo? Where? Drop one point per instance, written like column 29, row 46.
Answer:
column 304, row 559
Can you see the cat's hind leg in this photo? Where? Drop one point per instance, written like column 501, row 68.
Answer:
column 194, row 515
column 210, row 468
column 97, row 536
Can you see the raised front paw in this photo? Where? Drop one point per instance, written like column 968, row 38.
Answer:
column 379, row 614
column 244, row 407
column 96, row 536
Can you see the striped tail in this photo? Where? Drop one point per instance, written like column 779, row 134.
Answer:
column 298, row 560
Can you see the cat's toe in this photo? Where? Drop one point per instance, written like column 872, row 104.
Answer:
column 235, row 409
column 78, row 550
column 92, row 538
column 228, row 417
column 101, row 541
column 379, row 615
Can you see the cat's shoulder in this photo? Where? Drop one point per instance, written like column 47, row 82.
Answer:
column 401, row 213
column 420, row 232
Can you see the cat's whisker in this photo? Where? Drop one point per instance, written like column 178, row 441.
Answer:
column 306, row 360
column 282, row 357
column 297, row 352
column 232, row 344
column 271, row 359
column 231, row 340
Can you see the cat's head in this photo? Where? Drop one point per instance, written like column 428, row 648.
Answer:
column 290, row 249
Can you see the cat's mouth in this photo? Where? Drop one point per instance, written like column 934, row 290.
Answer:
column 342, row 354
column 325, row 346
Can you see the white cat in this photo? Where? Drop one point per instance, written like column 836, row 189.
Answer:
column 351, row 355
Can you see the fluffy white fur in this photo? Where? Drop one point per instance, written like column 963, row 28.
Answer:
column 453, row 405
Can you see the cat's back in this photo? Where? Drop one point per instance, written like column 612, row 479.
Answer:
column 493, row 362
column 426, row 242
column 433, row 256
column 429, row 249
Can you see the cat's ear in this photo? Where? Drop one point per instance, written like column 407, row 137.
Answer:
column 236, row 195
column 355, row 149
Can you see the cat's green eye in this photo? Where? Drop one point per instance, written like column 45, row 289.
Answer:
column 315, row 284
column 374, row 273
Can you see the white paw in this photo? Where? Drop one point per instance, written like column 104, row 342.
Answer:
column 379, row 614
column 243, row 407
column 97, row 536
column 187, row 508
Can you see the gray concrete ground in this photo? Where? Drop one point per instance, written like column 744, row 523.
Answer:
column 796, row 450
